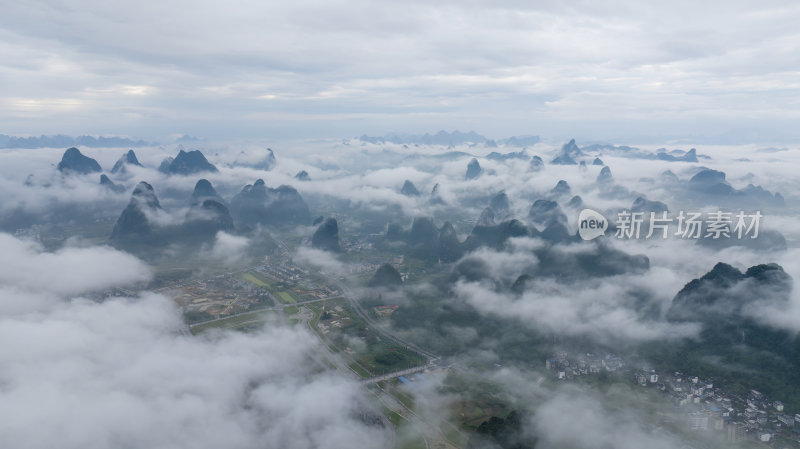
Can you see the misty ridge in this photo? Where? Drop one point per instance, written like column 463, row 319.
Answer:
column 460, row 256
column 60, row 140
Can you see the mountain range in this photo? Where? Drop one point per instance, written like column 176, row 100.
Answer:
column 61, row 141
column 450, row 139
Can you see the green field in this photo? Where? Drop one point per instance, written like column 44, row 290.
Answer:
column 263, row 281
column 383, row 357
column 252, row 278
column 291, row 310
column 286, row 298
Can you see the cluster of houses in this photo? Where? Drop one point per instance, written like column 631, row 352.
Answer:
column 699, row 404
column 220, row 296
column 565, row 368
column 34, row 233
column 750, row 417
column 355, row 245
column 282, row 269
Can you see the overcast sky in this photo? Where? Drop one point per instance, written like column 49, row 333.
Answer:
column 259, row 69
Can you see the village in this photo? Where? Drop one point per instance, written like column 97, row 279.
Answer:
column 701, row 405
column 276, row 282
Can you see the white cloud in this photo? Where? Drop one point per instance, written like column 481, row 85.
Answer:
column 120, row 373
column 631, row 426
column 323, row 260
column 70, row 271
column 229, row 249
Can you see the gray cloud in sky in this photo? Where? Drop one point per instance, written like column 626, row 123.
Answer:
column 300, row 69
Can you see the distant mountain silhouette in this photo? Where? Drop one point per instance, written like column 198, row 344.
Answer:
column 667, row 176
column 536, row 164
column 265, row 161
column 424, row 241
column 164, row 166
column 268, row 162
column 521, row 141
column 135, row 230
column 109, row 184
column 711, row 185
column 689, row 156
column 128, row 158
column 576, row 202
column 451, row 139
column 543, row 213
column 487, row 217
column 566, row 156
column 259, row 204
column 725, row 291
column 473, row 169
column 133, row 223
column 423, row 232
column 440, row 138
column 637, row 153
column 561, row 188
column 642, row 204
column 190, row 162
column 500, row 204
column 74, row 162
column 494, row 236
column 605, row 176
column 450, row 248
column 736, row 345
column 436, row 197
column 409, row 189
column 203, row 190
column 326, row 237
column 61, row 141
column 386, row 276
column 205, row 219
column 495, row 156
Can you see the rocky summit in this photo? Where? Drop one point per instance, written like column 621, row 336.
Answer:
column 326, row 237
column 409, row 189
column 73, row 162
column 133, row 222
column 126, row 159
column 106, row 182
column 386, row 276
column 543, row 213
column 189, row 162
column 473, row 169
column 258, row 204
column 203, row 190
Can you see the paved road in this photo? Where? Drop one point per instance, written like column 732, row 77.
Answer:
column 392, row 375
column 351, row 298
column 252, row 312
column 432, row 434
